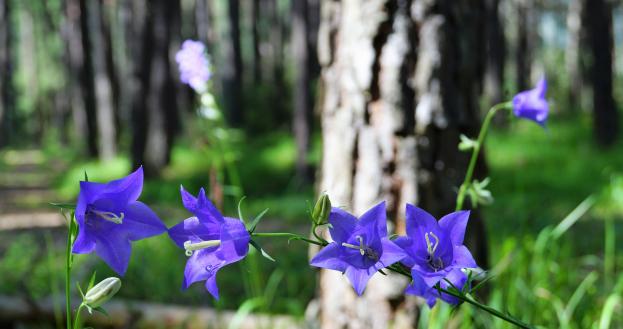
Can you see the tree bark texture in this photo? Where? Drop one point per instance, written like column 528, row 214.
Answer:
column 605, row 116
column 302, row 98
column 232, row 70
column 400, row 82
column 524, row 43
column 86, row 79
column 6, row 73
column 574, row 53
column 496, row 54
column 99, row 44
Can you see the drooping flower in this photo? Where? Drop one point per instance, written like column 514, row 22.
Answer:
column 194, row 65
column 435, row 252
column 531, row 104
column 211, row 241
column 109, row 217
column 360, row 247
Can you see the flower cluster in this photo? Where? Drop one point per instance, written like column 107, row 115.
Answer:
column 194, row 65
column 433, row 251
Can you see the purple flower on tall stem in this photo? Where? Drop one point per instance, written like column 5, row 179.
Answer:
column 435, row 252
column 360, row 247
column 109, row 217
column 193, row 64
column 531, row 104
column 211, row 241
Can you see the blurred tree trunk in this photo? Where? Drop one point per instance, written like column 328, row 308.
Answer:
column 601, row 40
column 99, row 46
column 6, row 73
column 302, row 99
column 496, row 54
column 203, row 21
column 255, row 37
column 524, row 45
column 400, row 83
column 276, row 37
column 573, row 53
column 85, row 68
column 156, row 106
column 232, row 70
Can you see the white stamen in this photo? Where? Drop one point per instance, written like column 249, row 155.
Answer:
column 190, row 247
column 430, row 246
column 361, row 247
column 109, row 216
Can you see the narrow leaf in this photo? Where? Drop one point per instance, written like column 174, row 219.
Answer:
column 251, row 227
column 264, row 253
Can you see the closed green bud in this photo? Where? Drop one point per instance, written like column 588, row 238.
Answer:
column 102, row 292
column 322, row 209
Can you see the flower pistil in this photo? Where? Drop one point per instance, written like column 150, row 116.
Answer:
column 363, row 249
column 190, row 246
column 436, row 263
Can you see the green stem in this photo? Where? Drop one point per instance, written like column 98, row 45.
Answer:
column 400, row 270
column 290, row 235
column 77, row 321
column 68, row 273
column 609, row 253
column 476, row 150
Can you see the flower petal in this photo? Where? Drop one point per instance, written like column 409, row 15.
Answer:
column 193, row 230
column 329, row 258
column 391, row 254
column 122, row 191
column 406, row 243
column 141, row 222
column 419, row 222
column 342, row 225
column 114, row 249
column 454, row 225
column 211, row 286
column 201, row 206
column 462, row 258
column 376, row 216
column 85, row 242
column 358, row 278
column 200, row 266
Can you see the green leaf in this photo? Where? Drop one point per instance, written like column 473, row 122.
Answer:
column 86, row 177
column 101, row 310
column 251, row 227
column 264, row 253
column 240, row 208
column 92, row 280
column 69, row 206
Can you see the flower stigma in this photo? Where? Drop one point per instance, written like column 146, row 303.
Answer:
column 190, row 247
column 436, row 263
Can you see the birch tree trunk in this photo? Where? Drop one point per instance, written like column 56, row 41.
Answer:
column 400, row 83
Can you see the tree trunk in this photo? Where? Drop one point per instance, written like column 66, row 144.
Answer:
column 496, row 53
column 302, row 99
column 255, row 36
column 605, row 116
column 523, row 46
column 203, row 22
column 86, row 80
column 232, row 70
column 400, row 84
column 6, row 73
column 100, row 47
column 155, row 114
column 573, row 54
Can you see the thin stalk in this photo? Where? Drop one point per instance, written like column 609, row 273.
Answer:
column 77, row 322
column 289, row 235
column 476, row 150
column 609, row 252
column 68, row 273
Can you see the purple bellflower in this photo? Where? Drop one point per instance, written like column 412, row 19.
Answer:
column 211, row 241
column 531, row 104
column 109, row 217
column 360, row 247
column 435, row 252
column 194, row 65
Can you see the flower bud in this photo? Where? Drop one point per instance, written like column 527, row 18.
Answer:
column 102, row 292
column 322, row 209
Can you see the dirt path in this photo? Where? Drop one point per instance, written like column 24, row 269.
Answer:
column 25, row 191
